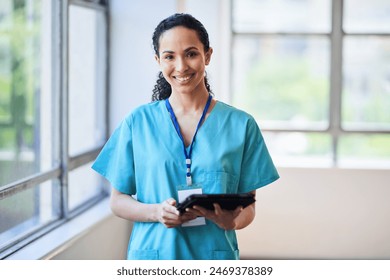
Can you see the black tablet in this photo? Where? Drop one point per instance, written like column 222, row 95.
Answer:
column 226, row 201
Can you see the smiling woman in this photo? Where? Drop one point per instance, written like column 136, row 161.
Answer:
column 186, row 135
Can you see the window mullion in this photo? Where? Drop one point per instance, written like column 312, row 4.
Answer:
column 336, row 76
column 107, row 71
column 64, row 108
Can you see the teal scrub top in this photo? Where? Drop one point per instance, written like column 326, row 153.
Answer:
column 144, row 157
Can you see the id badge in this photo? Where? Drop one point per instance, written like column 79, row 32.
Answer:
column 183, row 191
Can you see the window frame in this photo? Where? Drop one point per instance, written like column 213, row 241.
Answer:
column 336, row 36
column 60, row 55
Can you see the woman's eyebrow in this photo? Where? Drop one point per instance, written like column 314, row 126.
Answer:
column 190, row 48
column 167, row 51
column 186, row 50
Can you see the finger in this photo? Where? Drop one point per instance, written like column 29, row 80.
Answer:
column 170, row 220
column 178, row 220
column 217, row 209
column 171, row 201
column 237, row 211
column 193, row 212
column 187, row 217
column 169, row 215
column 172, row 225
column 202, row 211
column 169, row 206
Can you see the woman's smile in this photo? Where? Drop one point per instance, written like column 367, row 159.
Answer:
column 183, row 79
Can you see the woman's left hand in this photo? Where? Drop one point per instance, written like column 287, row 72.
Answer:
column 225, row 219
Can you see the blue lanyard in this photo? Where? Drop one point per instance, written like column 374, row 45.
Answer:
column 176, row 124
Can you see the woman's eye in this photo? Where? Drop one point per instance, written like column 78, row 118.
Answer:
column 168, row 57
column 191, row 54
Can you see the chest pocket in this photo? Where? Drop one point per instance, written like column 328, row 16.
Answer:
column 220, row 182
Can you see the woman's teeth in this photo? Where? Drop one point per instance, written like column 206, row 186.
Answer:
column 183, row 79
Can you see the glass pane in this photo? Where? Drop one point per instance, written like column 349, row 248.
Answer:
column 367, row 16
column 5, row 79
column 87, row 86
column 281, row 16
column 299, row 149
column 365, row 150
column 366, row 88
column 27, row 118
column 282, row 81
column 28, row 210
column 84, row 184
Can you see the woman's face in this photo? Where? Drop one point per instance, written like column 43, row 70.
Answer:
column 182, row 60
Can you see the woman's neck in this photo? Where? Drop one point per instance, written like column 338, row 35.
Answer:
column 189, row 103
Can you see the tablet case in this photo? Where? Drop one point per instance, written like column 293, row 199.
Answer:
column 226, row 201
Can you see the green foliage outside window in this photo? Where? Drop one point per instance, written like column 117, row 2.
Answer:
column 283, row 90
column 19, row 88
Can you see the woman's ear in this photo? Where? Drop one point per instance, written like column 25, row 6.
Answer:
column 208, row 56
column 157, row 58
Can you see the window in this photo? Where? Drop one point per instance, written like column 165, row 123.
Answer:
column 315, row 75
column 53, row 114
column 87, row 91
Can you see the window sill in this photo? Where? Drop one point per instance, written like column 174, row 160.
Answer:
column 64, row 236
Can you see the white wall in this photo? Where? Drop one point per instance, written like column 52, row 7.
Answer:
column 106, row 240
column 321, row 214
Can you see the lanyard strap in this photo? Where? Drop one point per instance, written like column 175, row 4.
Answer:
column 176, row 124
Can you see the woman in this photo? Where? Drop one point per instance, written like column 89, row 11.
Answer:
column 184, row 142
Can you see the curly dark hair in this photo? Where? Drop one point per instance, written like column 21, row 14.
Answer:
column 162, row 90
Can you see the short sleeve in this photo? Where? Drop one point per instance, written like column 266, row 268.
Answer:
column 115, row 161
column 257, row 169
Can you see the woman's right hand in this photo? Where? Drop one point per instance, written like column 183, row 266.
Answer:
column 126, row 207
column 169, row 216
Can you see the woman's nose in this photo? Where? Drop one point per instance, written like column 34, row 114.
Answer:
column 181, row 65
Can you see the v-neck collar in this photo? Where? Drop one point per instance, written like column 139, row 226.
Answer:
column 171, row 125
